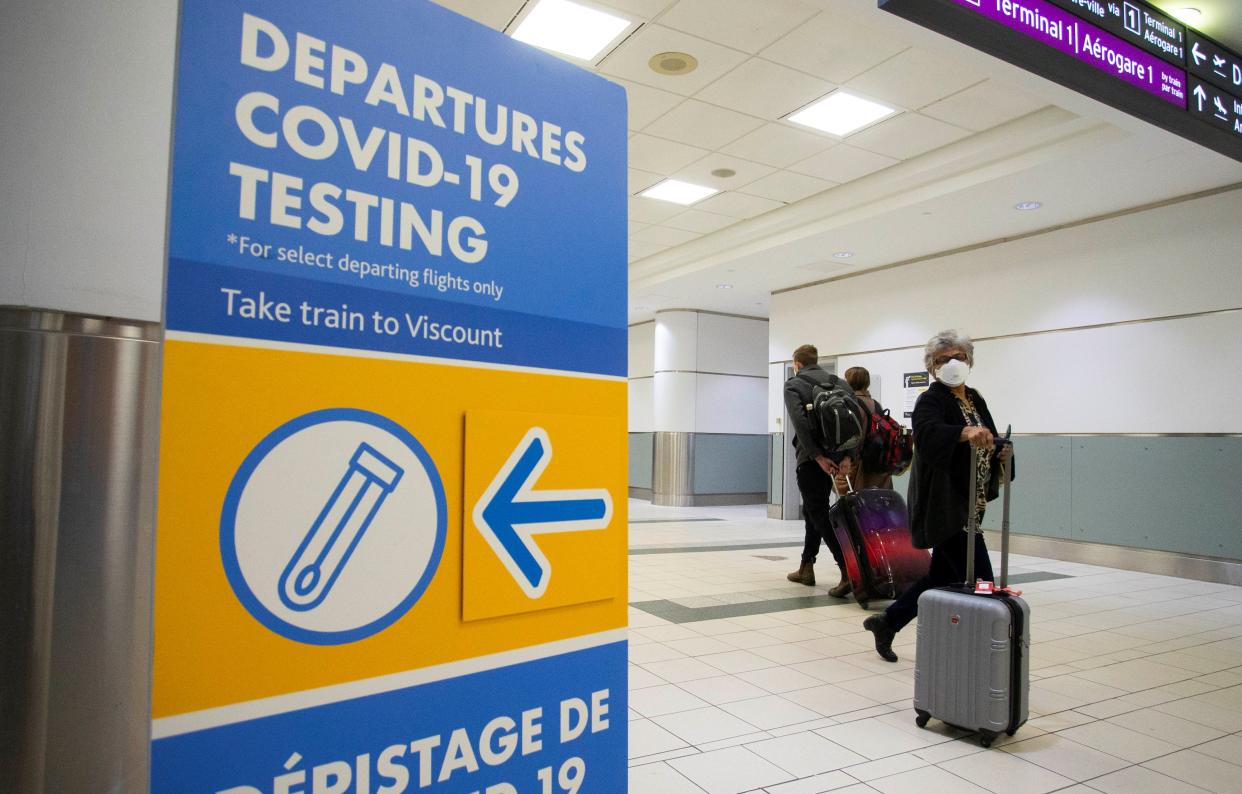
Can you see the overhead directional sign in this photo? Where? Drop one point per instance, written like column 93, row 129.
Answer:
column 1124, row 53
column 511, row 512
column 1211, row 62
column 1216, row 107
column 1135, row 23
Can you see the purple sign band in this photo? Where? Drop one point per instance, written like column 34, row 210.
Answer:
column 1063, row 31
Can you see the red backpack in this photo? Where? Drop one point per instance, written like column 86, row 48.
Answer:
column 888, row 446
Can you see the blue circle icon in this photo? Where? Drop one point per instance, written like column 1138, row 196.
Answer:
column 333, row 526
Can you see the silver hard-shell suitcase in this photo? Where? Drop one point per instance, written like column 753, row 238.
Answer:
column 972, row 666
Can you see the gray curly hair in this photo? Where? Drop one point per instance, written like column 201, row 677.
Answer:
column 948, row 340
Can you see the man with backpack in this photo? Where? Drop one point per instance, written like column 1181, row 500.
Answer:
column 827, row 426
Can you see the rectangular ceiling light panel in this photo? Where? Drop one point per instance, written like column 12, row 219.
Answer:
column 571, row 29
column 678, row 192
column 841, row 113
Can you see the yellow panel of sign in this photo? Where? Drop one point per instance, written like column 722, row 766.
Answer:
column 225, row 402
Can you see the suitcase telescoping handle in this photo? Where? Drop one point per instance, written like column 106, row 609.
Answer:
column 972, row 518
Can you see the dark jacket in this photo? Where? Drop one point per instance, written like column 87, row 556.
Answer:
column 939, row 493
column 797, row 397
column 860, row 478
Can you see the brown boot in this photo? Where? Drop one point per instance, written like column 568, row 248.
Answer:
column 804, row 575
column 843, row 587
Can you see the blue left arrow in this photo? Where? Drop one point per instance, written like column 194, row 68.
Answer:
column 510, row 512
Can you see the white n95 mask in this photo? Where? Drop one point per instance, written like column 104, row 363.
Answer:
column 953, row 373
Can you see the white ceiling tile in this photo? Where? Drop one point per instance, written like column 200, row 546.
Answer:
column 639, row 181
column 777, row 145
column 645, row 210
column 738, row 205
column 700, row 172
column 834, row 49
column 701, row 222
column 914, row 78
column 646, row 104
column 660, row 156
column 843, row 164
column 907, row 135
column 640, row 250
column 983, row 106
column 647, row 9
column 738, row 23
column 634, row 226
column 700, row 124
column 495, row 14
column 663, row 235
column 630, row 59
column 787, row 186
column 765, row 89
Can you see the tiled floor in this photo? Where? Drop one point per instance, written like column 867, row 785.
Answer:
column 741, row 681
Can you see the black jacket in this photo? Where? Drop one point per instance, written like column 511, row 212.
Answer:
column 797, row 396
column 939, row 492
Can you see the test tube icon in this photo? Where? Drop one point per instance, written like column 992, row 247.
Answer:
column 338, row 529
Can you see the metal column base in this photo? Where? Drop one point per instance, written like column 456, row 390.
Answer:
column 78, row 429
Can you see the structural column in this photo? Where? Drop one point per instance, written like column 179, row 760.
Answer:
column 708, row 395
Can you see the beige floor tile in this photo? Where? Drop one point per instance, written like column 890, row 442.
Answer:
column 654, row 701
column 722, row 689
column 927, row 780
column 804, row 754
column 699, row 646
column 647, row 738
column 1118, row 741
column 1201, row 710
column 730, row 771
column 661, row 777
column 737, row 661
column 1200, row 770
column 830, row 700
column 1139, row 780
column 816, row 784
column 677, row 670
column 703, row 725
column 1167, row 727
column 1003, row 772
column 771, row 711
column 1066, row 757
column 780, row 679
column 1226, row 748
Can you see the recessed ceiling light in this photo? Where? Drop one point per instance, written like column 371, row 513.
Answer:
column 724, row 173
column 570, row 29
column 841, row 113
column 673, row 63
column 678, row 192
column 842, row 254
column 724, row 286
column 1191, row 16
column 1027, row 205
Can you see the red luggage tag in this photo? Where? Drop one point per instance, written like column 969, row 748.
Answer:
column 1013, row 591
column 984, row 588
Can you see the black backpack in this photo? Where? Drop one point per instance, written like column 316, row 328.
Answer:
column 836, row 418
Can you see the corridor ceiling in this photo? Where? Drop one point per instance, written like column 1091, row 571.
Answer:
column 974, row 138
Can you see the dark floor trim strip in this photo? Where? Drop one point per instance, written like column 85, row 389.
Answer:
column 676, row 613
column 731, row 547
column 672, row 520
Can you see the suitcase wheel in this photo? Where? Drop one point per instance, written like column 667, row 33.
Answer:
column 863, row 603
column 986, row 738
column 921, row 719
column 1012, row 732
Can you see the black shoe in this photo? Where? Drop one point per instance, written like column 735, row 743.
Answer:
column 878, row 625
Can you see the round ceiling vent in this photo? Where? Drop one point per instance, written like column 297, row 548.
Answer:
column 724, row 173
column 673, row 63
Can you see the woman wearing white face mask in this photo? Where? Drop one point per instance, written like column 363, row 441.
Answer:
column 953, row 431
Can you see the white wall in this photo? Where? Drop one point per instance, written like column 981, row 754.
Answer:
column 1175, row 375
column 84, row 146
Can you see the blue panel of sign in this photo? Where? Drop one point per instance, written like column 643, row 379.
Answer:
column 411, row 159
column 556, row 732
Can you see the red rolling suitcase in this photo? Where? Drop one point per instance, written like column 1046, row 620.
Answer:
column 873, row 530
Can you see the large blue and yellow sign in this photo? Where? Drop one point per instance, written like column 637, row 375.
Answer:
column 391, row 551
